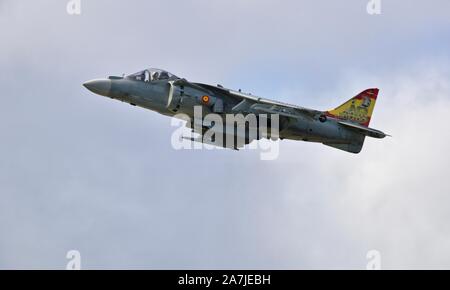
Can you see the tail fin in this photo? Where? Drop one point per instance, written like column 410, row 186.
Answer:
column 358, row 109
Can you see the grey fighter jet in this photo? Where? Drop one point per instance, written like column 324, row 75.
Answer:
column 344, row 127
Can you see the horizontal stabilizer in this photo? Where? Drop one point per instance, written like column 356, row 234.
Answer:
column 363, row 129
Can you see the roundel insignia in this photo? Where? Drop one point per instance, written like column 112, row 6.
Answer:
column 205, row 99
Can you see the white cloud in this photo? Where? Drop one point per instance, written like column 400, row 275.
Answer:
column 393, row 196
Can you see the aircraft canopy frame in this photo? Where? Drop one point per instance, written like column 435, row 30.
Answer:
column 152, row 74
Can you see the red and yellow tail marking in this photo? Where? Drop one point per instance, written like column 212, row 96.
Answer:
column 359, row 109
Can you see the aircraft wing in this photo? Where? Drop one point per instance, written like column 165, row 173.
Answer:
column 250, row 103
column 274, row 107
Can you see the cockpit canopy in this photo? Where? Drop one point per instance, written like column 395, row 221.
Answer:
column 152, row 74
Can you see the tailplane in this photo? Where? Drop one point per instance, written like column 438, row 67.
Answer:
column 355, row 116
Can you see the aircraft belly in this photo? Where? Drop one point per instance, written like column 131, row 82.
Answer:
column 316, row 131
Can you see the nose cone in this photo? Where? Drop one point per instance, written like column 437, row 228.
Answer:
column 100, row 87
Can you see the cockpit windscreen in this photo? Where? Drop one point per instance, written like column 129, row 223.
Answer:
column 152, row 74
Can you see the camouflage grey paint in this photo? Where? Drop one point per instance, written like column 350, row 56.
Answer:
column 174, row 96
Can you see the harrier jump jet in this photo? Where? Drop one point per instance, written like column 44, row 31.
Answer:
column 344, row 127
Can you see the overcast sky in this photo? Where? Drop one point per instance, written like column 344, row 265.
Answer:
column 80, row 171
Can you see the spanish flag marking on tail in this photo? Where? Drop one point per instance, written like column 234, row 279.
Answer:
column 359, row 109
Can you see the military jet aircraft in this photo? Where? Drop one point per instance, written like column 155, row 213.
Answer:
column 344, row 127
